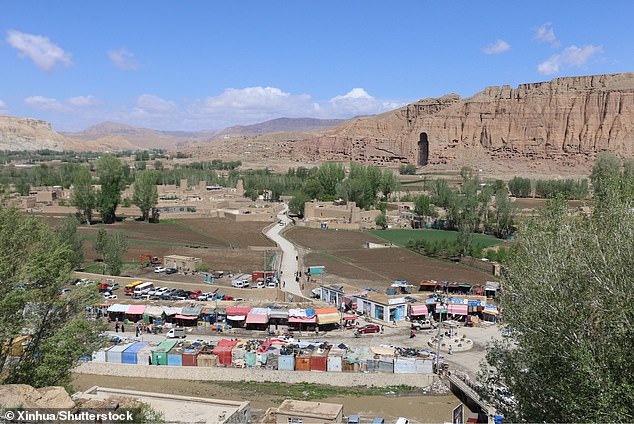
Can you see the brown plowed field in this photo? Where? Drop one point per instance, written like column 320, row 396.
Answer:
column 343, row 254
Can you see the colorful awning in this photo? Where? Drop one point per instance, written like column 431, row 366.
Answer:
column 419, row 309
column 238, row 310
column 118, row 307
column 305, row 320
column 258, row 316
column 179, row 316
column 327, row 315
column 135, row 310
column 458, row 309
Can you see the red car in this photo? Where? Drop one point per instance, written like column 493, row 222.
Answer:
column 195, row 294
column 369, row 328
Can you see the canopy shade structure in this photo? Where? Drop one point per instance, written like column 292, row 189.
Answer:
column 179, row 316
column 136, row 310
column 117, row 307
column 419, row 310
column 306, row 320
column 327, row 315
column 458, row 309
column 258, row 316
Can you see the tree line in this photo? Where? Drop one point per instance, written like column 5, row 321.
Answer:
column 567, row 188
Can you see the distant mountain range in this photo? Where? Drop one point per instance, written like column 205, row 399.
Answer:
column 32, row 134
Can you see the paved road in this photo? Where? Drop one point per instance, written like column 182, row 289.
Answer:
column 288, row 265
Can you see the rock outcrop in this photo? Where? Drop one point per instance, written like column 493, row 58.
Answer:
column 566, row 120
column 28, row 134
column 25, row 396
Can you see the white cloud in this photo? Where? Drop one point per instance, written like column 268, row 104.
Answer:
column 546, row 34
column 123, row 59
column 82, row 101
column 255, row 99
column 571, row 56
column 45, row 103
column 3, row 107
column 357, row 102
column 499, row 46
column 149, row 104
column 44, row 53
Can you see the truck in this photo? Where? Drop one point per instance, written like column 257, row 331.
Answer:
column 176, row 332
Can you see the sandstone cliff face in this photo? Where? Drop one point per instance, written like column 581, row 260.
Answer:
column 28, row 134
column 567, row 120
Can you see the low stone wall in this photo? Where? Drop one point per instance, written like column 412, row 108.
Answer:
column 341, row 379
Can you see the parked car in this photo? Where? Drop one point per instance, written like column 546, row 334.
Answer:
column 240, row 284
column 195, row 294
column 159, row 269
column 369, row 328
column 423, row 324
column 169, row 271
column 176, row 333
column 110, row 296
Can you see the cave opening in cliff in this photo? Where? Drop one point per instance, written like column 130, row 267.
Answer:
column 423, row 150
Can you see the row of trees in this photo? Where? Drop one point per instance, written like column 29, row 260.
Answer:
column 568, row 188
column 111, row 179
column 364, row 185
column 569, row 306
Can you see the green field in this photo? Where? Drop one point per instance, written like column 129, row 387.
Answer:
column 401, row 237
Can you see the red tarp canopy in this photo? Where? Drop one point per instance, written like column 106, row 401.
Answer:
column 227, row 342
column 135, row 310
column 458, row 309
column 257, row 319
column 419, row 310
column 238, row 310
column 178, row 316
column 350, row 318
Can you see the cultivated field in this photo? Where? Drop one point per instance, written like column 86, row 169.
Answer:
column 401, row 237
column 344, row 255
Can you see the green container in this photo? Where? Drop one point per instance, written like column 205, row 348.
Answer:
column 159, row 355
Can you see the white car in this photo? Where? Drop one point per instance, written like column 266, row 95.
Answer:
column 159, row 269
column 160, row 291
column 110, row 296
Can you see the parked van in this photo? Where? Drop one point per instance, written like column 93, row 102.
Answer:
column 142, row 289
column 260, row 284
column 271, row 285
column 177, row 332
column 240, row 284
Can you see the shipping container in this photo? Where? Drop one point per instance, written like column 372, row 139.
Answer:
column 424, row 366
column 404, row 365
column 386, row 366
column 99, row 355
column 159, row 354
column 144, row 355
column 175, row 356
column 224, row 354
column 129, row 356
column 335, row 360
column 302, row 362
column 207, row 360
column 190, row 357
column 286, row 363
column 319, row 361
column 114, row 353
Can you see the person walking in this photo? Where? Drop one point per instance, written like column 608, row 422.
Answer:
column 116, row 327
column 122, row 328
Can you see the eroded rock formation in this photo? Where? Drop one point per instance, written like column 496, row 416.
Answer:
column 567, row 120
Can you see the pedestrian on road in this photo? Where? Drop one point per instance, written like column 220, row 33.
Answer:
column 381, row 329
column 122, row 328
column 450, row 349
column 149, row 360
column 116, row 327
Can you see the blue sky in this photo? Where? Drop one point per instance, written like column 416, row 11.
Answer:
column 194, row 65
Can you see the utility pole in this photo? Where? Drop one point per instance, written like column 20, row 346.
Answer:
column 438, row 339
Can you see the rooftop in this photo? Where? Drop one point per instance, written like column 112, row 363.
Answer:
column 310, row 409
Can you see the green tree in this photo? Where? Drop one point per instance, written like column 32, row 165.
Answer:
column 296, row 204
column 568, row 304
column 67, row 233
column 313, row 189
column 329, row 175
column 112, row 247
column 423, row 206
column 607, row 166
column 101, row 241
column 34, row 265
column 381, row 220
column 520, row 187
column 505, row 212
column 111, row 177
column 158, row 165
column 407, row 169
column 389, row 183
column 22, row 186
column 145, row 193
column 83, row 197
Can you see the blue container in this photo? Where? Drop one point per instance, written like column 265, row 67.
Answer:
column 129, row 356
column 175, row 357
column 286, row 362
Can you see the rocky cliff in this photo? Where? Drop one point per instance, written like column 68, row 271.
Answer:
column 567, row 120
column 28, row 134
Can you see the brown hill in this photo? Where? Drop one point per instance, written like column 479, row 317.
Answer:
column 566, row 120
column 302, row 125
column 129, row 137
